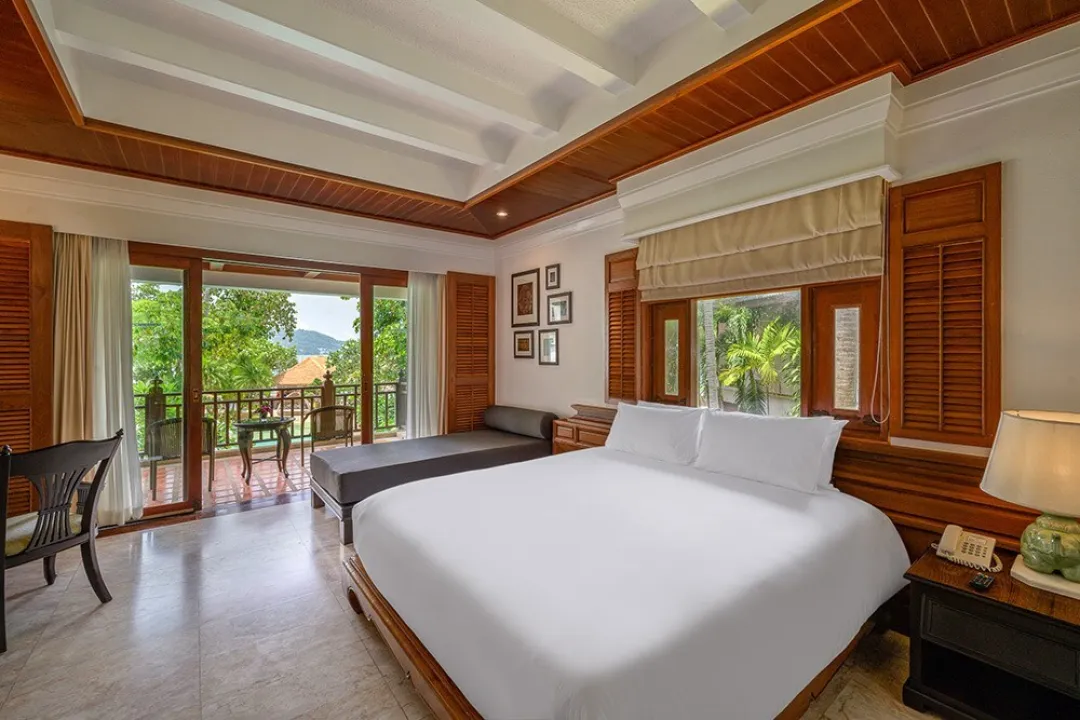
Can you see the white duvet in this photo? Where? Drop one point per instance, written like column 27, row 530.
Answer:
column 600, row 585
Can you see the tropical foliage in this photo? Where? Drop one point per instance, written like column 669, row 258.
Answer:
column 753, row 347
column 240, row 330
column 389, row 350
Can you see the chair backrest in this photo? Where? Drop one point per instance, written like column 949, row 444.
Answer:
column 333, row 421
column 55, row 473
column 165, row 439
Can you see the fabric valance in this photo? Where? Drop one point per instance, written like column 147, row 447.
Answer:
column 825, row 236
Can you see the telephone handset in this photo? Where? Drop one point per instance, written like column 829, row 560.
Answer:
column 968, row 549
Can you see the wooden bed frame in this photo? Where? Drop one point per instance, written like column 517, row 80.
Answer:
column 441, row 694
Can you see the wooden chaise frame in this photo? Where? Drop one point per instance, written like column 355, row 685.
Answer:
column 440, row 692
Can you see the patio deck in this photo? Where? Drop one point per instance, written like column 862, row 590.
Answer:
column 229, row 486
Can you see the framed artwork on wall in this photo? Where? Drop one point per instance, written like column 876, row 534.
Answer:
column 560, row 308
column 553, row 277
column 523, row 344
column 549, row 347
column 525, row 298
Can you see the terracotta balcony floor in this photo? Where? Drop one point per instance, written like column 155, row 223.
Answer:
column 229, row 486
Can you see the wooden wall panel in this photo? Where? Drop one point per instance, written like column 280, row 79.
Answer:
column 945, row 295
column 470, row 350
column 26, row 357
column 623, row 325
column 829, row 47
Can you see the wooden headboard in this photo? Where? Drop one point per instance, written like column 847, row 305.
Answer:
column 924, row 490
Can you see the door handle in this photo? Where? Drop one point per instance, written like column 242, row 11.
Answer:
column 196, row 395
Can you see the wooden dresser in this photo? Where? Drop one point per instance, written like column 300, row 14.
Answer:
column 587, row 429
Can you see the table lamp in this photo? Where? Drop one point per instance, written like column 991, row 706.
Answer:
column 1035, row 462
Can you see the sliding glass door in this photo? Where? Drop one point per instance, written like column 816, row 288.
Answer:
column 165, row 306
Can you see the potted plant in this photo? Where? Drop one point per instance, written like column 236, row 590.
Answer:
column 264, row 411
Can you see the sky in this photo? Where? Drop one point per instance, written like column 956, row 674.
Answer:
column 328, row 314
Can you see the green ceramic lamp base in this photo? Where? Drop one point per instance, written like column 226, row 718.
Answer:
column 1052, row 544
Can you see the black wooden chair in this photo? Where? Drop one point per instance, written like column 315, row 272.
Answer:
column 333, row 422
column 54, row 473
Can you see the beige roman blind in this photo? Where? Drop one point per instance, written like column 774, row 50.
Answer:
column 825, row 236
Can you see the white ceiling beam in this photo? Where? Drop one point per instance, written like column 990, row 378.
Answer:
column 124, row 41
column 728, row 13
column 370, row 50
column 547, row 34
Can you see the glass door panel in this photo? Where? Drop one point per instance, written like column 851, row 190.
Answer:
column 157, row 315
column 389, row 368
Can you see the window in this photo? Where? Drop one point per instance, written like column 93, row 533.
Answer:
column 843, row 353
column 750, row 353
column 669, row 340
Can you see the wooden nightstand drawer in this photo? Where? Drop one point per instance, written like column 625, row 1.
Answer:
column 1032, row 656
column 565, row 432
column 592, row 438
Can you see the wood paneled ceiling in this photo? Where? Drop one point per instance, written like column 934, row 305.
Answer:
column 832, row 46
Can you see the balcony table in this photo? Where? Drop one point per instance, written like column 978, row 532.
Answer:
column 246, row 429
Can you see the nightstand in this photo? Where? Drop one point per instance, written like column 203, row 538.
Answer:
column 578, row 434
column 589, row 428
column 1009, row 653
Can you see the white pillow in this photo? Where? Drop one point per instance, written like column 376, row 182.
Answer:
column 795, row 453
column 668, row 434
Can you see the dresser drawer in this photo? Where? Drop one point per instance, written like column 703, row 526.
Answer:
column 1033, row 656
column 565, row 432
column 592, row 437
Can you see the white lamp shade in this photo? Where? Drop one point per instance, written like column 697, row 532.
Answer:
column 1036, row 461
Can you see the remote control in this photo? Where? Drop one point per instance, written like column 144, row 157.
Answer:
column 981, row 582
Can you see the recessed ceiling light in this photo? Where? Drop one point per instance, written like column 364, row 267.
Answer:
column 501, row 213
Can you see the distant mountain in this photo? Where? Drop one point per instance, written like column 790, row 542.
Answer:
column 311, row 342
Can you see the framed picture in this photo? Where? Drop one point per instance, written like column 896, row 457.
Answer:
column 553, row 277
column 525, row 298
column 523, row 344
column 549, row 347
column 560, row 308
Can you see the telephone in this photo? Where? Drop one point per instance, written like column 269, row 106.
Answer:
column 968, row 549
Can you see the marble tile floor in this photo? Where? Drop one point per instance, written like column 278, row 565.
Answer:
column 242, row 616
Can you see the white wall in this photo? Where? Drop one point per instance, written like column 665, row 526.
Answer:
column 579, row 376
column 93, row 203
column 1011, row 107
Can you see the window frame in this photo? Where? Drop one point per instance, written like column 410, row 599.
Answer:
column 818, row 370
column 816, row 384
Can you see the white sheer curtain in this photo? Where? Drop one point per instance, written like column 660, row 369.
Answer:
column 426, row 364
column 114, row 404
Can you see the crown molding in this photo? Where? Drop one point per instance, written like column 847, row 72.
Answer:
column 1022, row 72
column 591, row 218
column 39, row 179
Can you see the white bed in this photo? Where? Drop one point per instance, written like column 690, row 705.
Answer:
column 601, row 585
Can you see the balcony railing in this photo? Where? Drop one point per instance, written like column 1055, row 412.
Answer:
column 228, row 406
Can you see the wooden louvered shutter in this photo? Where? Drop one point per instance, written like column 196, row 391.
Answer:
column 470, row 350
column 945, row 291
column 620, row 278
column 26, row 267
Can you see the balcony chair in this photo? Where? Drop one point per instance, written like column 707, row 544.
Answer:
column 55, row 473
column 333, row 422
column 165, row 441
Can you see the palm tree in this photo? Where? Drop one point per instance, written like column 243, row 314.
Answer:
column 706, row 311
column 752, row 361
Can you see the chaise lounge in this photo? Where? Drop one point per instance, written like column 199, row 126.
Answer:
column 342, row 477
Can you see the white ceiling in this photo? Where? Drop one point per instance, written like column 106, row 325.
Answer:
column 440, row 96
